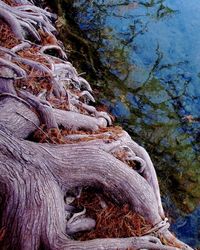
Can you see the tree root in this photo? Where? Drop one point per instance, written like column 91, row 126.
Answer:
column 145, row 242
column 12, row 22
column 6, row 82
column 54, row 47
column 19, row 71
column 104, row 170
column 79, row 225
column 21, row 46
column 21, row 19
column 44, row 110
column 35, row 177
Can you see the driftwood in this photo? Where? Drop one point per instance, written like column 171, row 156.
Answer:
column 34, row 177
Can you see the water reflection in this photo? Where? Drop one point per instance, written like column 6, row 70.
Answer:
column 188, row 228
column 153, row 47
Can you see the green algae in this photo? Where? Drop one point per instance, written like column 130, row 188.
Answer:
column 175, row 158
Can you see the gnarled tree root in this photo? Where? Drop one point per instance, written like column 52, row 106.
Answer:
column 34, row 177
column 33, row 189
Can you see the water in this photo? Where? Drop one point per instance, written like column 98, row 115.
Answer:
column 154, row 48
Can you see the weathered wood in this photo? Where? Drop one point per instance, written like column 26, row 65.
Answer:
column 6, row 81
column 20, row 119
column 17, row 118
column 34, row 177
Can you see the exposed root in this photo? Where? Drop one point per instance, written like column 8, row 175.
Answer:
column 43, row 108
column 26, row 19
column 54, row 47
column 44, row 99
column 79, row 225
column 20, row 73
column 12, row 21
column 84, row 84
column 21, row 46
column 87, row 95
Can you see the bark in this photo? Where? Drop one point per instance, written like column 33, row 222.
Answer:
column 35, row 177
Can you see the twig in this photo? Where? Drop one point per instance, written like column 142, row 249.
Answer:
column 16, row 97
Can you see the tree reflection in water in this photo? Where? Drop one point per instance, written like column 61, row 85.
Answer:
column 152, row 46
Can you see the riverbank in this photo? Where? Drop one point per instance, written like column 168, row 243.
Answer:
column 67, row 144
column 178, row 177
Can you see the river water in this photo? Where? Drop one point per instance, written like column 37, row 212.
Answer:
column 153, row 47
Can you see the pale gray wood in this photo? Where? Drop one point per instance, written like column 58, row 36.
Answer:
column 35, row 177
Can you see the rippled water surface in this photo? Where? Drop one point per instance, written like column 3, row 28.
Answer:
column 154, row 48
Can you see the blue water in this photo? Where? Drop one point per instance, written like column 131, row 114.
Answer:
column 154, row 48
